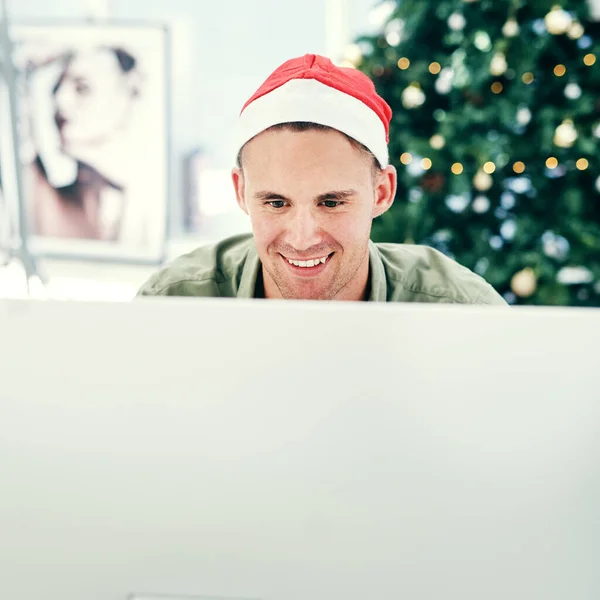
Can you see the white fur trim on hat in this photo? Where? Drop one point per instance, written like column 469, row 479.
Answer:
column 312, row 101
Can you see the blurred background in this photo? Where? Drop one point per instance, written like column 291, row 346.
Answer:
column 125, row 122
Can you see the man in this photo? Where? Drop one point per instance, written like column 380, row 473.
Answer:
column 312, row 174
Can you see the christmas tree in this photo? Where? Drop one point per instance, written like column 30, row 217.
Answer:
column 495, row 137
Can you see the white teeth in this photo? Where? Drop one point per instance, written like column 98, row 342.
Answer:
column 308, row 263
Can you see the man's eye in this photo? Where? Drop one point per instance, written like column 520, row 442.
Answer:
column 332, row 203
column 276, row 203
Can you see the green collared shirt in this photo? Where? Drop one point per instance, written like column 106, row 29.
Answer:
column 397, row 273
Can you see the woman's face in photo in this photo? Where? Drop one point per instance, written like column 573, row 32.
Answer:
column 93, row 99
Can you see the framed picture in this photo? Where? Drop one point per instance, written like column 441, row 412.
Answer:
column 8, row 171
column 192, row 172
column 94, row 132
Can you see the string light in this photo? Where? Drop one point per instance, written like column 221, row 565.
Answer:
column 589, row 60
column 489, row 167
column 583, row 164
column 435, row 68
column 497, row 87
column 560, row 70
column 528, row 78
column 403, row 63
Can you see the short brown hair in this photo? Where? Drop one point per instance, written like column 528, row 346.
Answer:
column 299, row 126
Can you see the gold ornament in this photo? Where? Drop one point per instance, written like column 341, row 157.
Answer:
column 576, row 30
column 565, row 135
column 437, row 141
column 558, row 21
column 482, row 181
column 524, row 283
column 498, row 64
column 413, row 96
column 511, row 28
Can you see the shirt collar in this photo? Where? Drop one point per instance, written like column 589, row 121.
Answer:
column 376, row 275
column 377, row 278
column 249, row 273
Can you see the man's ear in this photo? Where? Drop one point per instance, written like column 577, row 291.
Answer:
column 239, row 183
column 385, row 190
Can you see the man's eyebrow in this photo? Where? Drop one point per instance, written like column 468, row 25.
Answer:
column 332, row 195
column 337, row 195
column 267, row 195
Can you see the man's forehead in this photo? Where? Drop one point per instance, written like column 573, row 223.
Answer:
column 318, row 147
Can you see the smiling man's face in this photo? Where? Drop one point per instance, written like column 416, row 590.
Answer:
column 311, row 197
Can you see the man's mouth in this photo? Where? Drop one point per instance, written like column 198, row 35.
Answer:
column 307, row 264
column 312, row 265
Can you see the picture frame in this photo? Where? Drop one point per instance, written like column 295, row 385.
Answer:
column 94, row 128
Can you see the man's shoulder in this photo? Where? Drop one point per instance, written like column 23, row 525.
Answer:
column 422, row 273
column 209, row 270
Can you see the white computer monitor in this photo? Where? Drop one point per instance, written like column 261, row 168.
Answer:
column 172, row 448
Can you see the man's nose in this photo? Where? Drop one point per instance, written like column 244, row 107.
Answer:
column 303, row 229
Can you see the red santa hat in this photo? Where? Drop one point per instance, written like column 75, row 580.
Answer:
column 311, row 88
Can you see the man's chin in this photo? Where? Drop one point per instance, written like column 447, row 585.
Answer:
column 305, row 292
column 308, row 297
